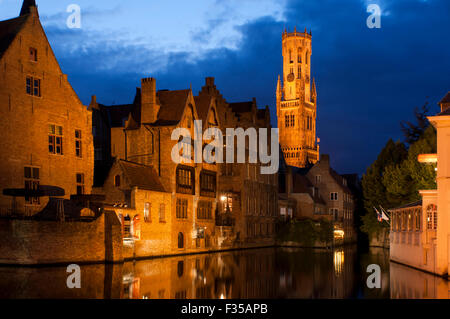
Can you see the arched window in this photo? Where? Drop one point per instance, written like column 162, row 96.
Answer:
column 307, row 58
column 180, row 240
column 418, row 219
column 432, row 217
column 117, row 180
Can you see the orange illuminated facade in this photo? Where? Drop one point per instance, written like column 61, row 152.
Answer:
column 297, row 101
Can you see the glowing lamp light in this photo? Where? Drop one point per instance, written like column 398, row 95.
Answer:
column 223, row 198
column 427, row 158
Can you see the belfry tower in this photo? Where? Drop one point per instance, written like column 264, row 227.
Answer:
column 296, row 101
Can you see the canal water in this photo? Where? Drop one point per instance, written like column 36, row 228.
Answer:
column 255, row 273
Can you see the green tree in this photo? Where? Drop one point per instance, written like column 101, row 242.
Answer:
column 374, row 190
column 413, row 132
column 404, row 181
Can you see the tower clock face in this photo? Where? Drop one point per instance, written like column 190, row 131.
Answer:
column 290, row 77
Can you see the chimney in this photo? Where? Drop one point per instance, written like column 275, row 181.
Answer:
column 209, row 81
column 149, row 108
column 325, row 159
column 93, row 104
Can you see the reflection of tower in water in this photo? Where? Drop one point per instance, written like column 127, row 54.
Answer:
column 338, row 262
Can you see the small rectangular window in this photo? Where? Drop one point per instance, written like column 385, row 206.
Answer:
column 147, row 212
column 33, row 55
column 78, row 143
column 33, row 86
column 334, row 196
column 80, row 184
column 182, row 208
column 55, row 139
column 117, row 181
column 162, row 212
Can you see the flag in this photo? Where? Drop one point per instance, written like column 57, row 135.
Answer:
column 384, row 214
column 379, row 216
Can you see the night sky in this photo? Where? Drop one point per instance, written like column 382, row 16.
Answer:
column 368, row 80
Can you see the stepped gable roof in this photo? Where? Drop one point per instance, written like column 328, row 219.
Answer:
column 172, row 104
column 202, row 103
column 409, row 205
column 141, row 176
column 8, row 32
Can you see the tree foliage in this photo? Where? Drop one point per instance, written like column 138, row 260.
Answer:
column 396, row 177
column 413, row 132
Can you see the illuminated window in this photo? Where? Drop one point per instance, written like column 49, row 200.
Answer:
column 204, row 210
column 417, row 215
column 432, row 217
column 78, row 150
column 147, row 212
column 55, row 139
column 182, row 208
column 136, row 227
column 31, row 175
column 33, row 86
column 127, row 227
column 162, row 212
column 33, row 55
column 185, row 180
column 80, row 184
column 292, row 120
column 208, row 184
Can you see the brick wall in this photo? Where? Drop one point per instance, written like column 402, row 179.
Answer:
column 25, row 119
column 48, row 242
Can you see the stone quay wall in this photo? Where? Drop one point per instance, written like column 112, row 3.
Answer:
column 28, row 242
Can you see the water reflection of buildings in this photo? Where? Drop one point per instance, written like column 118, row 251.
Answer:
column 250, row 274
column 409, row 283
column 268, row 273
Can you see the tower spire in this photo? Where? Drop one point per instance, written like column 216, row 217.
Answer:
column 26, row 7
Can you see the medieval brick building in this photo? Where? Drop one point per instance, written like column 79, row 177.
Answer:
column 249, row 197
column 319, row 192
column 297, row 101
column 46, row 130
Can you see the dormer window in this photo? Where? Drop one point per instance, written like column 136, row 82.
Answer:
column 33, row 55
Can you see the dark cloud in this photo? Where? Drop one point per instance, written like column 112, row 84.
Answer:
column 368, row 79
